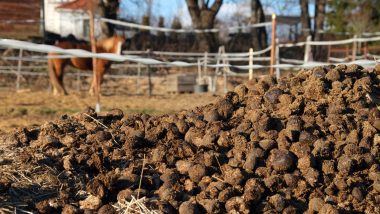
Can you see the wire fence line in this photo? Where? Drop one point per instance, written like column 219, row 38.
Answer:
column 68, row 53
column 147, row 27
column 169, row 30
column 112, row 76
column 220, row 61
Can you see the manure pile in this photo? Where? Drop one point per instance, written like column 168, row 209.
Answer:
column 307, row 143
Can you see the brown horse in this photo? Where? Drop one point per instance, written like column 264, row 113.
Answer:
column 57, row 65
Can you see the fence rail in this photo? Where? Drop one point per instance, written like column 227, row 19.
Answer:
column 223, row 62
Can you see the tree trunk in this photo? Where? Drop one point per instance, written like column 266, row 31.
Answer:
column 145, row 36
column 203, row 17
column 319, row 18
column 305, row 18
column 318, row 25
column 161, row 36
column 259, row 34
column 108, row 9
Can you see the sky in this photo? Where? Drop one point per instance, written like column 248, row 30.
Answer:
column 230, row 9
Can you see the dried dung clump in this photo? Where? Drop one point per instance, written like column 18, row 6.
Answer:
column 307, row 143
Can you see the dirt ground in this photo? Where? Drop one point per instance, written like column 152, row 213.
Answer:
column 33, row 104
column 28, row 108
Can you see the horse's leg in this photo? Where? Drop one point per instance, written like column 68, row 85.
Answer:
column 92, row 87
column 60, row 71
column 55, row 73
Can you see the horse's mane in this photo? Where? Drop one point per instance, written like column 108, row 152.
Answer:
column 107, row 43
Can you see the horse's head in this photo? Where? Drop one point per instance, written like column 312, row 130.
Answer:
column 112, row 44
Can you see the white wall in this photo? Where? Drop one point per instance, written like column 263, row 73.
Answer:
column 65, row 21
column 52, row 17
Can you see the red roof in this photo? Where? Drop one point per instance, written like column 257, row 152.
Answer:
column 77, row 5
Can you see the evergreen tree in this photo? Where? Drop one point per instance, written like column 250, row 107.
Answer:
column 353, row 16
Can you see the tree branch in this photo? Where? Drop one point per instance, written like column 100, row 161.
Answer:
column 216, row 6
column 193, row 7
column 206, row 3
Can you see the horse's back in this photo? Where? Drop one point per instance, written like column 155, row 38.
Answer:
column 80, row 63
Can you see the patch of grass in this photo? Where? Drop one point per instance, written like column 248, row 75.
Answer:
column 44, row 110
column 70, row 110
column 9, row 111
column 51, row 111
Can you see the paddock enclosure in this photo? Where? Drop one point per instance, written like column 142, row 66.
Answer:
column 248, row 132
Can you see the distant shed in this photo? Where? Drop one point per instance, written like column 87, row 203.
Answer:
column 20, row 19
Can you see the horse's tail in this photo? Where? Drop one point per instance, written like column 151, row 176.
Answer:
column 55, row 83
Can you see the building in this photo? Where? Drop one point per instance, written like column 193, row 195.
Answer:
column 20, row 19
column 68, row 17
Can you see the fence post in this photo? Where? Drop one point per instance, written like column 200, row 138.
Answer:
column 149, row 81
column 19, row 70
column 199, row 70
column 138, row 86
column 307, row 49
column 214, row 78
column 225, row 69
column 365, row 52
column 328, row 53
column 250, row 64
column 273, row 49
column 354, row 47
column 218, row 58
column 205, row 63
column 93, row 50
column 278, row 74
column 149, row 76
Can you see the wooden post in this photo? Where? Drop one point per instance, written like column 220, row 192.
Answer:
column 273, row 49
column 277, row 59
column 225, row 81
column 149, row 76
column 250, row 71
column 93, row 50
column 218, row 58
column 354, row 47
column 149, row 81
column 214, row 78
column 328, row 53
column 225, row 69
column 199, row 71
column 205, row 63
column 19, row 65
column 307, row 49
column 138, row 85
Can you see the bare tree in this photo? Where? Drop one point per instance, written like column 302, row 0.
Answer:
column 320, row 12
column 259, row 34
column 203, row 15
column 305, row 18
column 108, row 9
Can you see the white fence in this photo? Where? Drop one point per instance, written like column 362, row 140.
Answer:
column 223, row 63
